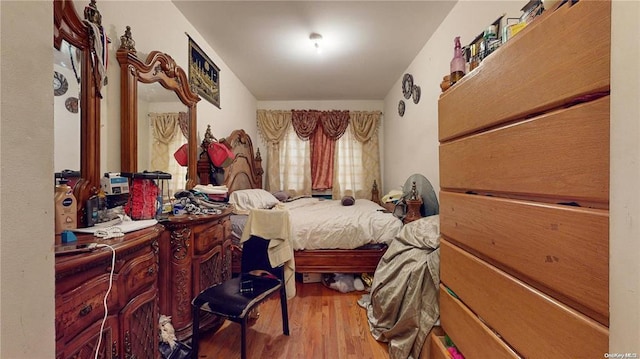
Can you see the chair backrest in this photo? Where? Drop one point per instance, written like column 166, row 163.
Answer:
column 255, row 256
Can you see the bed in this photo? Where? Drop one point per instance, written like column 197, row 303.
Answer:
column 361, row 256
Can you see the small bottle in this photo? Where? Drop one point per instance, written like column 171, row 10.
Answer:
column 473, row 63
column 66, row 212
column 457, row 66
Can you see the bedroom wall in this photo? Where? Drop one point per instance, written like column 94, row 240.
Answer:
column 415, row 135
column 27, row 306
column 159, row 26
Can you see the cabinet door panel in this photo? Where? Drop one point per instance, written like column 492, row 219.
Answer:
column 139, row 323
column 83, row 346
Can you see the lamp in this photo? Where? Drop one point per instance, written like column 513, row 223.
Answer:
column 316, row 39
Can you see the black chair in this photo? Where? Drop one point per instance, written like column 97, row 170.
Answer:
column 234, row 299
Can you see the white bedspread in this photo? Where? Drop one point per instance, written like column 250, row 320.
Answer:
column 326, row 224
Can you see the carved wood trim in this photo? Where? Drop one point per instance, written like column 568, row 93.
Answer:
column 69, row 26
column 162, row 68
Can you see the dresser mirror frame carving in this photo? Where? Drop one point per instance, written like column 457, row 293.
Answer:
column 161, row 68
column 69, row 27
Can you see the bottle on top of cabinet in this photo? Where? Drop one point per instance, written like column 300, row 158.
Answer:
column 458, row 63
column 65, row 208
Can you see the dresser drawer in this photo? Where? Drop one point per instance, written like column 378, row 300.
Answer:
column 472, row 337
column 138, row 274
column 81, row 307
column 437, row 349
column 535, row 325
column 533, row 72
column 563, row 155
column 211, row 234
column 561, row 250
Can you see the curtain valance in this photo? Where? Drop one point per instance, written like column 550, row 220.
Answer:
column 273, row 125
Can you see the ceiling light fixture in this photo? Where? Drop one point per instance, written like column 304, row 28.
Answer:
column 317, row 40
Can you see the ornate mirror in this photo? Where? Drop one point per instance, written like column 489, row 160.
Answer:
column 157, row 74
column 76, row 84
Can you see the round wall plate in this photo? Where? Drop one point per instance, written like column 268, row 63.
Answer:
column 416, row 94
column 407, row 85
column 71, row 104
column 60, row 84
column 401, row 108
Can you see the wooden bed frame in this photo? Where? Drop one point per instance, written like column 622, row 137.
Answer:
column 246, row 172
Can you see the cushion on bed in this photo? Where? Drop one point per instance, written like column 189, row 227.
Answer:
column 348, row 201
column 281, row 195
column 247, row 199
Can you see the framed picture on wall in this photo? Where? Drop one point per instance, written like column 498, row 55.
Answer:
column 204, row 75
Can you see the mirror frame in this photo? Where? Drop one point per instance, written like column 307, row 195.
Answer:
column 158, row 67
column 68, row 26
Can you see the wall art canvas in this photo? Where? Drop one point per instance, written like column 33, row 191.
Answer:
column 204, row 75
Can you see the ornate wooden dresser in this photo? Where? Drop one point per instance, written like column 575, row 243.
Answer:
column 82, row 281
column 195, row 253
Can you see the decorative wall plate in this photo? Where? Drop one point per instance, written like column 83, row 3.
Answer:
column 401, row 108
column 60, row 84
column 407, row 85
column 416, row 94
column 71, row 104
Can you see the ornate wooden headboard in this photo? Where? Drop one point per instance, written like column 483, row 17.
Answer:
column 246, row 169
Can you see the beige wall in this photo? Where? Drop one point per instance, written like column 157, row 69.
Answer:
column 624, row 266
column 26, row 181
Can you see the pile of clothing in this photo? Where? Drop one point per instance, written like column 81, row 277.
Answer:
column 195, row 202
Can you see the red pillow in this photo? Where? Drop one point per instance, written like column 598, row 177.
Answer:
column 220, row 155
column 182, row 155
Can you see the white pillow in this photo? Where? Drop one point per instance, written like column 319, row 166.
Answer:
column 247, row 199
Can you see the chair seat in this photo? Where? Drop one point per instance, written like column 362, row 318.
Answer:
column 227, row 300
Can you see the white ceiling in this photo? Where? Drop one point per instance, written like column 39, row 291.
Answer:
column 366, row 44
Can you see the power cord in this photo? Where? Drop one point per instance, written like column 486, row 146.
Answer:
column 106, row 308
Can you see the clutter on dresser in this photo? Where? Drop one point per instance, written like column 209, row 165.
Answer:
column 148, row 192
column 469, row 57
column 195, row 202
column 66, row 207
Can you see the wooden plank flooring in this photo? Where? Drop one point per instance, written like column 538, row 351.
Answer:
column 323, row 323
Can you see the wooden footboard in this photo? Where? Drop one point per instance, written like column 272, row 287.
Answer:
column 329, row 260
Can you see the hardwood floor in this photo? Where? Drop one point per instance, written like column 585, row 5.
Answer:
column 323, row 323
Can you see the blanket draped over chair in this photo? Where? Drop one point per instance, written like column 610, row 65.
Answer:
column 274, row 225
column 402, row 306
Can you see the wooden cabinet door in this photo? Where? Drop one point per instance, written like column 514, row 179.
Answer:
column 139, row 326
column 83, row 346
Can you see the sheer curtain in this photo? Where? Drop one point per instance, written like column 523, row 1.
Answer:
column 358, row 156
column 295, row 164
column 167, row 138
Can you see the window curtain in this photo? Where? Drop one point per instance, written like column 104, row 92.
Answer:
column 166, row 132
column 358, row 156
column 295, row 165
column 273, row 127
column 356, row 160
column 322, row 128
